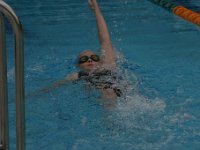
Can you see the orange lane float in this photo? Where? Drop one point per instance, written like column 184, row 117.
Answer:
column 178, row 10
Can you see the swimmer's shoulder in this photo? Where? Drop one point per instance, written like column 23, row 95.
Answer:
column 72, row 77
column 76, row 75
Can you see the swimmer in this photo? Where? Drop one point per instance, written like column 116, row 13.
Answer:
column 97, row 70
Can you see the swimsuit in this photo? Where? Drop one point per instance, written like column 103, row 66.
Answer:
column 102, row 79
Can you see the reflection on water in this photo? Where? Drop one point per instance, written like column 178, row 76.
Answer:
column 82, row 120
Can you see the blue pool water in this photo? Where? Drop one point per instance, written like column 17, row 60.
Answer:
column 158, row 56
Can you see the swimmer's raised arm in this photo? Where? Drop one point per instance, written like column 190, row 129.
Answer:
column 103, row 34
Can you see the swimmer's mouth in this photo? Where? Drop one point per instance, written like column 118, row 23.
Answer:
column 90, row 65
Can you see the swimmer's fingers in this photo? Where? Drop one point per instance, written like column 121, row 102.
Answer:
column 92, row 4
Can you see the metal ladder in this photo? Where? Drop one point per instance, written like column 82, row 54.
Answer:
column 7, row 12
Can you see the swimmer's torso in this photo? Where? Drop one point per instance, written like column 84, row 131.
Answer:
column 102, row 79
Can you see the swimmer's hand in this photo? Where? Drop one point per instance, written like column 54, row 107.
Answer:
column 92, row 4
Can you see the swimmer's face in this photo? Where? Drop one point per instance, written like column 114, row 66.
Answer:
column 88, row 60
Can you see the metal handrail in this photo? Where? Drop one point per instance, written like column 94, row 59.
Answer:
column 7, row 11
column 3, row 89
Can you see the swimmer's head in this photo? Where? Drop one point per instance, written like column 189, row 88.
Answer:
column 88, row 60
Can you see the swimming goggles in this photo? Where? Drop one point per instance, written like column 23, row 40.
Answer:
column 84, row 59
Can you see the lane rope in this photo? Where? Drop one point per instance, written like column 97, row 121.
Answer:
column 179, row 10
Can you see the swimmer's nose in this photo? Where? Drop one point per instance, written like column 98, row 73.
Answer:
column 89, row 60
